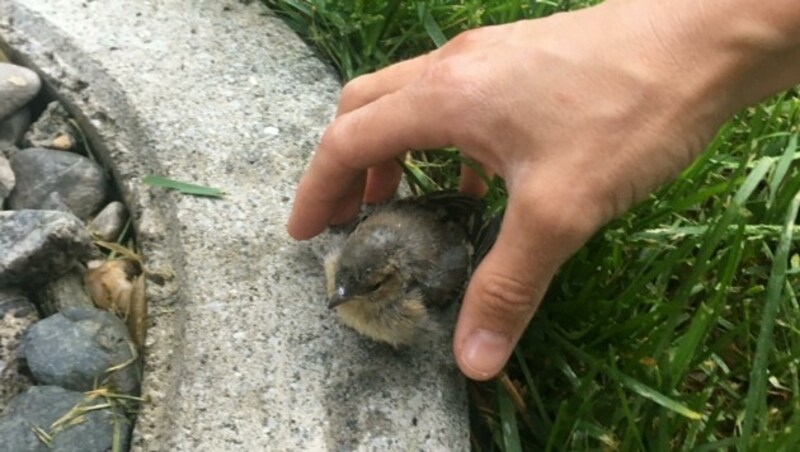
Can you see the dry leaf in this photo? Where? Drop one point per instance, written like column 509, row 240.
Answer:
column 62, row 142
column 137, row 313
column 111, row 284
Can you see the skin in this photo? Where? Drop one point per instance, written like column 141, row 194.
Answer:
column 583, row 114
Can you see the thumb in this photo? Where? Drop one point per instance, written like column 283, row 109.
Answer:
column 535, row 239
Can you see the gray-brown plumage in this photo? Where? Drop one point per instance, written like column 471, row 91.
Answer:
column 407, row 260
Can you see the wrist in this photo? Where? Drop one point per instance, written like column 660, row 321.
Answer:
column 731, row 53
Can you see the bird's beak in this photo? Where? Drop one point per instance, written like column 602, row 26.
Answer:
column 339, row 296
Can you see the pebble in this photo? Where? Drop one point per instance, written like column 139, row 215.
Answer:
column 64, row 292
column 108, row 224
column 13, row 128
column 18, row 85
column 39, row 245
column 52, row 130
column 40, row 406
column 7, row 179
column 8, row 149
column 75, row 348
column 81, row 184
column 43, row 242
column 17, row 314
column 54, row 201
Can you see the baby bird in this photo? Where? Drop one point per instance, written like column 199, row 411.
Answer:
column 402, row 264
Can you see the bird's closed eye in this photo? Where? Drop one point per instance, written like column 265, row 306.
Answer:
column 378, row 284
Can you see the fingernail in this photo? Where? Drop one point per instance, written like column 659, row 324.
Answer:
column 485, row 352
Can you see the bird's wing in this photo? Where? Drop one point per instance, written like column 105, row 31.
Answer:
column 468, row 212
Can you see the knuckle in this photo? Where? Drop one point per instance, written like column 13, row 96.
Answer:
column 468, row 38
column 333, row 137
column 506, row 296
column 568, row 213
column 446, row 74
column 457, row 88
column 465, row 38
column 356, row 91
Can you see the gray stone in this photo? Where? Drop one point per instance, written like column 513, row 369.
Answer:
column 7, row 179
column 18, row 85
column 13, row 128
column 14, row 301
column 75, row 348
column 39, row 245
column 7, row 149
column 40, row 407
column 108, row 224
column 17, row 314
column 64, row 292
column 54, row 201
column 81, row 184
column 241, row 331
column 52, row 130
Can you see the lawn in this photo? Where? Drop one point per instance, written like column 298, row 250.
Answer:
column 677, row 327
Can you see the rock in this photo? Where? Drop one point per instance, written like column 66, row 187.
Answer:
column 17, row 314
column 7, row 179
column 38, row 408
column 53, row 201
column 7, row 149
column 52, row 130
column 109, row 222
column 18, row 85
column 81, row 183
column 39, row 245
column 75, row 348
column 14, row 301
column 65, row 292
column 13, row 128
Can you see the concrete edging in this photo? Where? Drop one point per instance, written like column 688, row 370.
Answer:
column 241, row 352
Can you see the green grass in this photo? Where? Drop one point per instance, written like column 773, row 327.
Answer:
column 677, row 327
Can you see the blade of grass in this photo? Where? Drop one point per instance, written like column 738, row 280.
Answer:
column 435, row 33
column 632, row 430
column 508, row 420
column 669, row 234
column 716, row 446
column 706, row 315
column 632, row 384
column 537, row 399
column 755, row 401
column 183, row 187
column 782, row 168
column 703, row 261
column 419, row 181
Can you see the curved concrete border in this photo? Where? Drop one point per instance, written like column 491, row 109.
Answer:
column 241, row 352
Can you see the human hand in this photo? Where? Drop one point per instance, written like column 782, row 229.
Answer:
column 582, row 113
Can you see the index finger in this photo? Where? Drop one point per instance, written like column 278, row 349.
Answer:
column 373, row 134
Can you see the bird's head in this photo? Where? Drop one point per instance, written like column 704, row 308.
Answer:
column 369, row 267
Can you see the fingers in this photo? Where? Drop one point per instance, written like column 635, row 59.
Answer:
column 501, row 298
column 351, row 204
column 471, row 182
column 406, row 119
column 382, row 181
column 331, row 190
column 367, row 88
column 539, row 232
column 318, row 200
